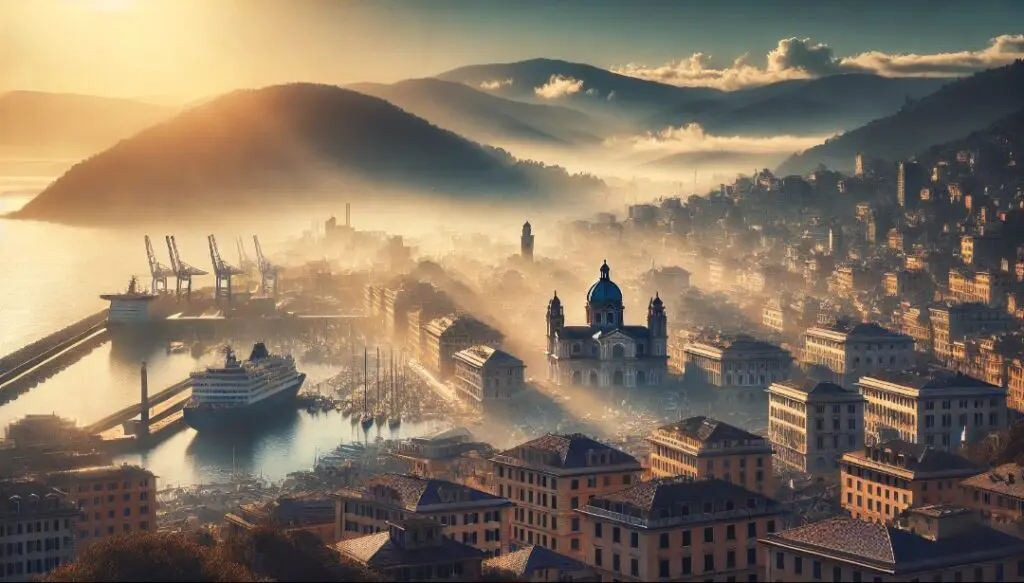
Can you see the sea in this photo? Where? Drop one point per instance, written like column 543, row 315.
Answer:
column 52, row 275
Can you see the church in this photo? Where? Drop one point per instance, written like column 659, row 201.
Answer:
column 607, row 352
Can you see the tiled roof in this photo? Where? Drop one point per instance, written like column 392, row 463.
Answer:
column 481, row 355
column 1007, row 479
column 708, row 430
column 571, row 450
column 819, row 388
column 929, row 379
column 414, row 492
column 378, row 551
column 525, row 561
column 666, row 494
column 890, row 548
column 104, row 472
column 920, row 458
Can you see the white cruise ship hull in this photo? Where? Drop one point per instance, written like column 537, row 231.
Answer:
column 222, row 417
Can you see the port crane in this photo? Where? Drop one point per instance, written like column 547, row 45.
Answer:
column 222, row 270
column 183, row 272
column 268, row 271
column 159, row 271
column 244, row 262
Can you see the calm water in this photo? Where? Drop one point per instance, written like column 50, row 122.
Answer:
column 53, row 275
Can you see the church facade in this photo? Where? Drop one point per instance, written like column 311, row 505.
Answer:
column 606, row 352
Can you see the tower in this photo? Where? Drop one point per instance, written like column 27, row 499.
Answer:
column 909, row 181
column 526, row 242
column 657, row 326
column 556, row 320
column 144, row 410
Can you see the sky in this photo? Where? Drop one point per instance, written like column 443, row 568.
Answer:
column 191, row 49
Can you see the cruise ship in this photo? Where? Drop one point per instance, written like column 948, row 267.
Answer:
column 242, row 393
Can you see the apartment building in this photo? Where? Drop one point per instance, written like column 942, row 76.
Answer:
column 811, row 424
column 934, row 543
column 550, row 477
column 445, row 336
column 485, row 375
column 951, row 322
column 881, row 481
column 679, row 529
column 739, row 362
column 467, row 515
column 931, row 407
column 113, row 500
column 990, row 288
column 702, row 447
column 37, row 530
column 998, row 494
column 305, row 512
column 853, row 350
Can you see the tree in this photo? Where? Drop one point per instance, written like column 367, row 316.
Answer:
column 150, row 557
column 292, row 556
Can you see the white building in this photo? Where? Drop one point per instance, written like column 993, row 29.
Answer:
column 851, row 351
column 812, row 424
column 486, row 374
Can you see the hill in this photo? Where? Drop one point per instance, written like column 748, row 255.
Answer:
column 814, row 106
column 601, row 90
column 483, row 117
column 724, row 160
column 999, row 148
column 955, row 110
column 62, row 123
column 283, row 144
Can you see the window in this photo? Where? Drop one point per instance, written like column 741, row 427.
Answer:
column 575, row 524
column 798, row 565
column 687, row 565
column 709, row 534
column 816, row 569
column 837, row 574
column 662, row 568
column 730, row 532
column 574, row 485
column 709, row 562
column 771, row 526
column 730, row 560
column 634, row 540
column 574, row 503
column 574, row 544
column 597, row 529
column 634, row 567
column 663, row 540
column 598, row 559
column 751, row 557
column 616, row 565
column 780, row 561
column 686, row 540
column 751, row 530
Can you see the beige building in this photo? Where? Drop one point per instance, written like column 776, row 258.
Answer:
column 37, row 530
column 934, row 543
column 852, row 350
column 984, row 287
column 451, row 455
column 881, row 481
column 906, row 283
column 739, row 362
column 679, row 529
column 701, row 447
column 935, row 408
column 998, row 494
column 484, row 374
column 812, row 424
column 389, row 305
column 951, row 322
column 536, row 564
column 445, row 336
column 549, row 478
column 470, row 516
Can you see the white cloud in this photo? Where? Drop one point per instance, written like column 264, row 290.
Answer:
column 559, row 86
column 795, row 58
column 692, row 138
column 591, row 92
column 496, row 84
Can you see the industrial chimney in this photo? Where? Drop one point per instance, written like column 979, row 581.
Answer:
column 144, row 415
column 348, row 214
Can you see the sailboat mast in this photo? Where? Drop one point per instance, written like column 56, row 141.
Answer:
column 364, row 379
column 378, row 376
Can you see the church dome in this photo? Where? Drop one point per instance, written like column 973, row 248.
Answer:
column 604, row 290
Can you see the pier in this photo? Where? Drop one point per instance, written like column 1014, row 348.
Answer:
column 161, row 405
column 30, row 364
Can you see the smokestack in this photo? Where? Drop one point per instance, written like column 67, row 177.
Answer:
column 145, row 399
column 348, row 214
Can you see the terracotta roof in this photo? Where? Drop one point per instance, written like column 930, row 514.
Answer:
column 104, row 473
column 924, row 379
column 525, row 561
column 674, row 492
column 414, row 492
column 378, row 551
column 1007, row 479
column 919, row 458
column 708, row 430
column 887, row 547
column 570, row 450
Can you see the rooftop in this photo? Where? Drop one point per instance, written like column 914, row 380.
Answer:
column 104, row 473
column 819, row 388
column 918, row 458
column 923, row 379
column 708, row 430
column 378, row 551
column 567, row 451
column 529, row 559
column 682, row 496
column 888, row 548
column 414, row 492
column 1007, row 479
column 481, row 356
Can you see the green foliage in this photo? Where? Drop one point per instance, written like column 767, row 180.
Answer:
column 150, row 557
column 297, row 556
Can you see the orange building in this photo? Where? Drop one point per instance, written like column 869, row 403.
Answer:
column 470, row 516
column 679, row 529
column 701, row 447
column 312, row 513
column 934, row 543
column 552, row 476
column 880, row 482
column 999, row 495
column 113, row 500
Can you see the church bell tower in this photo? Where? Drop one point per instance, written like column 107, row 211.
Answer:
column 526, row 242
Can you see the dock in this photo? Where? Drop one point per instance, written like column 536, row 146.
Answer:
column 161, row 405
column 35, row 362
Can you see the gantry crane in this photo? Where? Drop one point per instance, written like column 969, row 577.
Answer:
column 182, row 271
column 244, row 262
column 268, row 271
column 222, row 270
column 159, row 271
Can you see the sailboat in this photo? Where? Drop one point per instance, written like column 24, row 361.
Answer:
column 367, row 419
column 381, row 414
column 395, row 418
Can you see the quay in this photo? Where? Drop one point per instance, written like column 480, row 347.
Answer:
column 37, row 360
column 159, row 417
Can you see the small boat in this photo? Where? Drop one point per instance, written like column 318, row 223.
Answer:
column 366, row 421
column 381, row 417
column 394, row 422
column 353, row 419
column 176, row 347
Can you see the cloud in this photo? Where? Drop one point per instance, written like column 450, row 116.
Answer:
column 496, row 84
column 692, row 138
column 559, row 86
column 796, row 58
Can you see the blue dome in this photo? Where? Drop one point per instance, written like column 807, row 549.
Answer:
column 604, row 290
